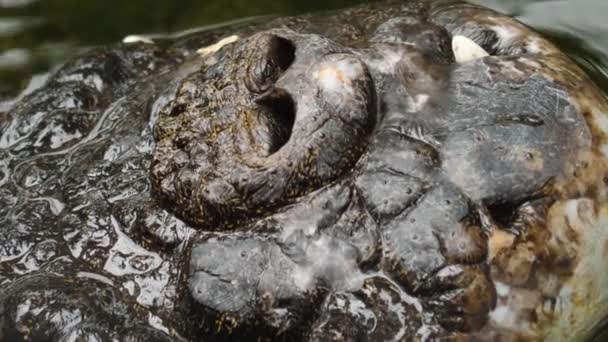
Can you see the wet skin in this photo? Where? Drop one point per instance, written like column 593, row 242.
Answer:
column 322, row 178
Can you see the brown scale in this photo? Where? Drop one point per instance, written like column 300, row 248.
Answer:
column 467, row 244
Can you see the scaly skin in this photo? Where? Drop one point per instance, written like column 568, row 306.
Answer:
column 324, row 177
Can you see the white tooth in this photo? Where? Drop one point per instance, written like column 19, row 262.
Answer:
column 217, row 46
column 137, row 39
column 466, row 50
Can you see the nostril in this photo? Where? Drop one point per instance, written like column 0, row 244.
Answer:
column 279, row 111
column 282, row 52
column 272, row 55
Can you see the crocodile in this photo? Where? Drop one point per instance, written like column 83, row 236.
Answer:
column 398, row 170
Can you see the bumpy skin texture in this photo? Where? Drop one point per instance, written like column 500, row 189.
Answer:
column 323, row 178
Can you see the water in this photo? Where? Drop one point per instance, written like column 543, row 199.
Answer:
column 36, row 36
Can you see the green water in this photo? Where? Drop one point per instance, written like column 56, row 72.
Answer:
column 37, row 35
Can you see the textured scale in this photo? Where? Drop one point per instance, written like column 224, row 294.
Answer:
column 392, row 171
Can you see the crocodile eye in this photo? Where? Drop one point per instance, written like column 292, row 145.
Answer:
column 272, row 55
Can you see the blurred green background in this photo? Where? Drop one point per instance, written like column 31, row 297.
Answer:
column 36, row 35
